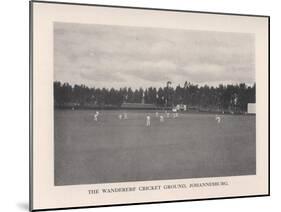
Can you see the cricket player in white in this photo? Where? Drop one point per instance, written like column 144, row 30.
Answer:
column 147, row 121
column 218, row 119
column 161, row 118
column 96, row 117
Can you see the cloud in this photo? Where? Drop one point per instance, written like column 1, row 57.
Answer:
column 121, row 56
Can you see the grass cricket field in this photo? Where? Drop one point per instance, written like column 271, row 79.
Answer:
column 192, row 145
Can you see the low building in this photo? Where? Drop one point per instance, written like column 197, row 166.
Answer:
column 181, row 107
column 251, row 108
column 138, row 106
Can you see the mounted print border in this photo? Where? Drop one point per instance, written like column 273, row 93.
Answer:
column 144, row 105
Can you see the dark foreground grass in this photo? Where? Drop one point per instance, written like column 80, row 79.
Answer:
column 113, row 150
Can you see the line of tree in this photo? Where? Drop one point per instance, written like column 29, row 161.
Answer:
column 223, row 97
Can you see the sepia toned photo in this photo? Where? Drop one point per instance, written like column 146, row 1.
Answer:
column 139, row 104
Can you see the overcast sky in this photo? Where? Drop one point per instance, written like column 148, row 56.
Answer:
column 118, row 56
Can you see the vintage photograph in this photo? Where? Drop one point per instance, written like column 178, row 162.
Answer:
column 142, row 104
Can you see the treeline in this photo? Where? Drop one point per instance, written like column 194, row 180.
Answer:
column 223, row 97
